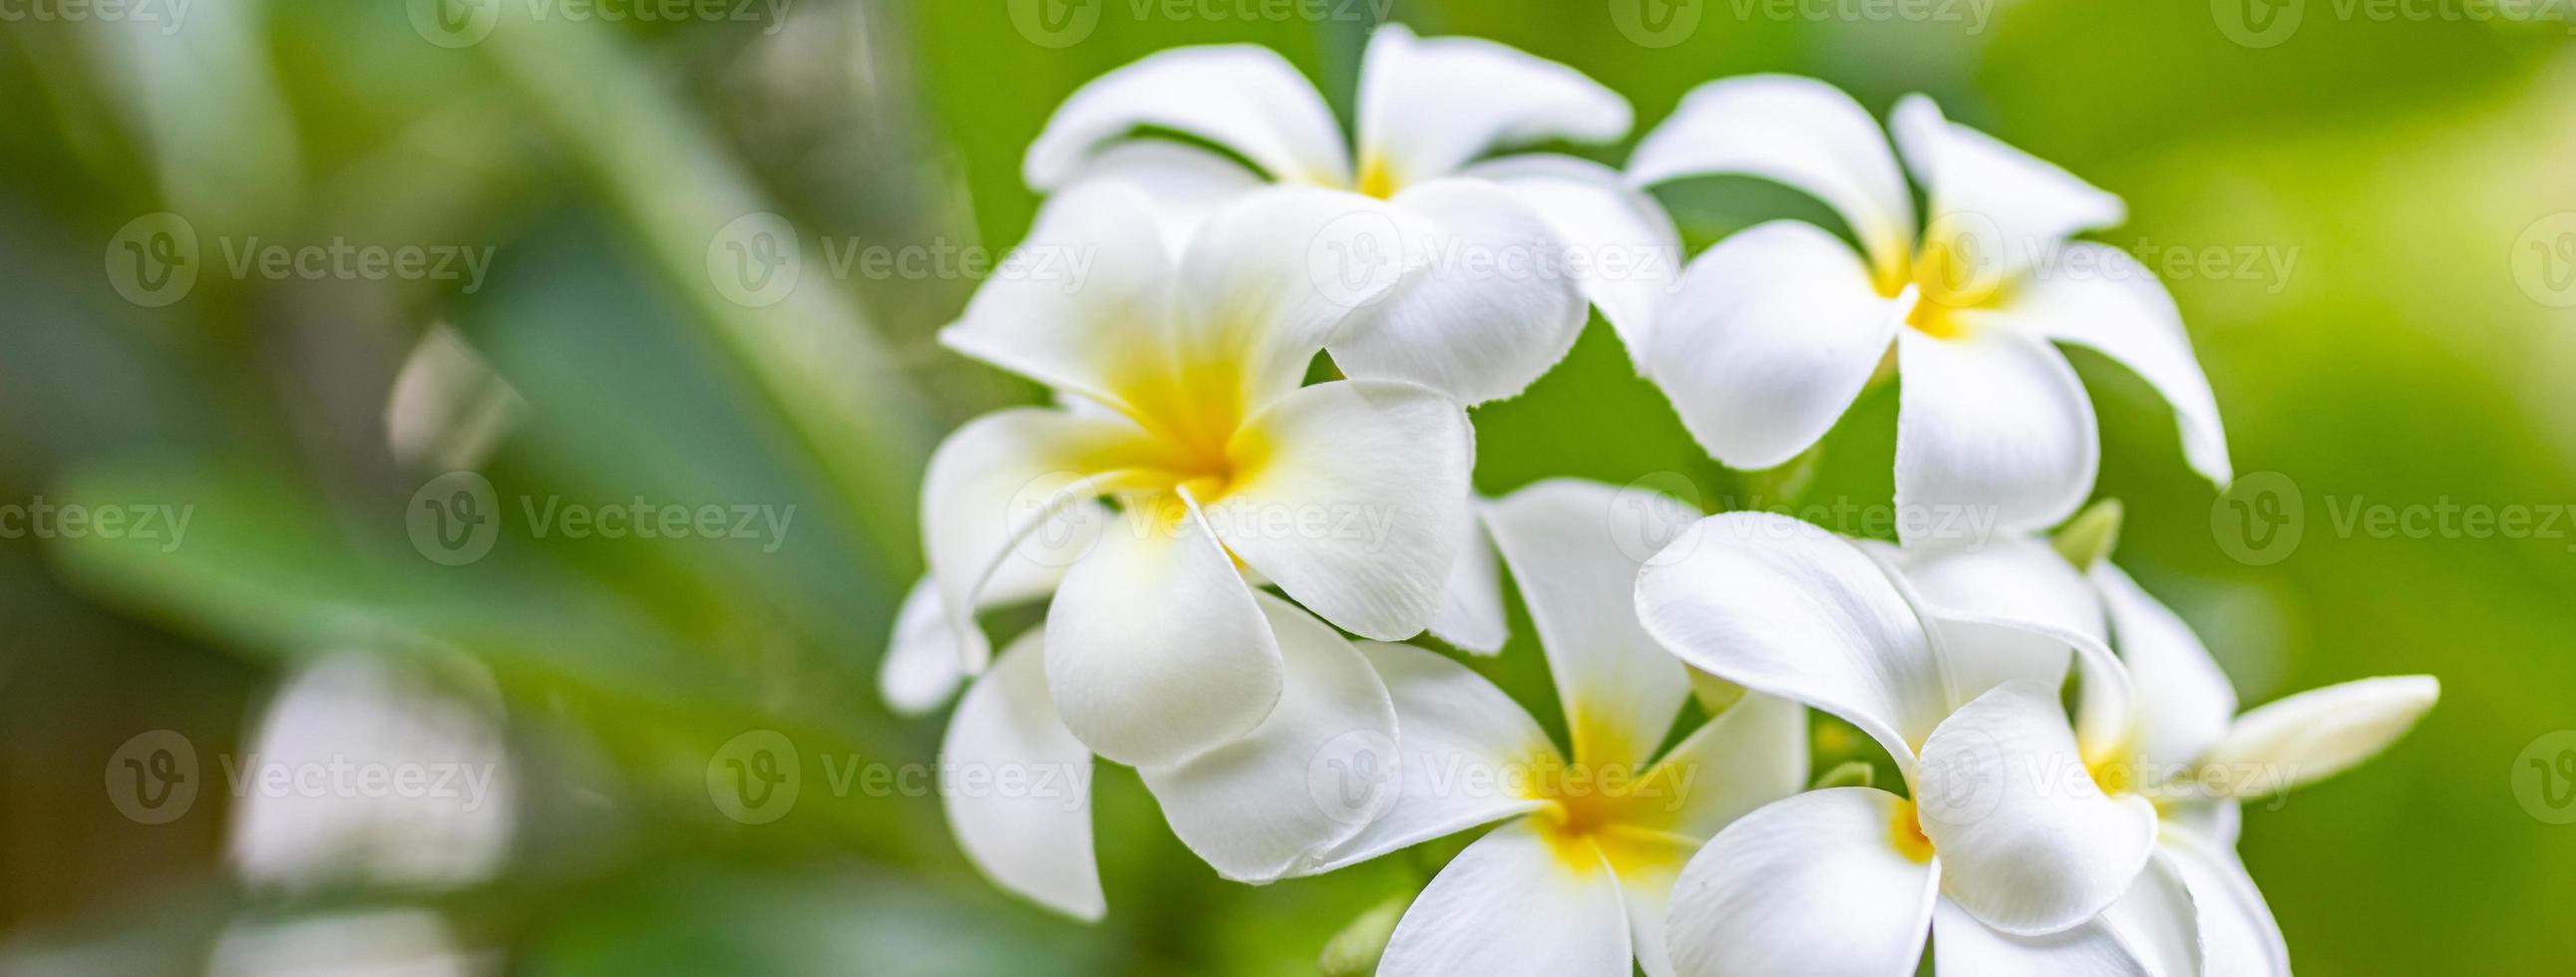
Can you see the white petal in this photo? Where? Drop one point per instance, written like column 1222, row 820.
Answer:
column 1798, row 131
column 2184, row 703
column 1993, row 435
column 2015, row 206
column 1620, row 244
column 1773, row 335
column 1620, row 690
column 1155, row 651
column 928, row 654
column 1249, row 808
column 2319, row 733
column 1753, row 753
column 997, row 485
column 1427, row 106
column 1032, row 841
column 1963, row 946
column 1245, row 98
column 1511, row 904
column 2218, row 820
column 1965, row 589
column 2097, row 296
column 2238, row 936
column 1092, row 288
column 1780, row 606
column 1471, row 609
column 1459, row 739
column 924, row 662
column 1186, row 184
column 1648, row 893
column 1809, row 885
column 1486, row 306
column 1357, row 506
column 2028, row 842
column 2157, row 921
column 1253, row 309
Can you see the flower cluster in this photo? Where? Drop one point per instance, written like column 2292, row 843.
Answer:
column 1254, row 478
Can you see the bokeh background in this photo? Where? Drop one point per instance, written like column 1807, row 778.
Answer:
column 2374, row 207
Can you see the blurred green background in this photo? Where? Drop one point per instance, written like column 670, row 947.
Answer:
column 2378, row 259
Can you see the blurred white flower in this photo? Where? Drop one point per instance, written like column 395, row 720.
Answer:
column 372, row 772
column 1776, row 330
column 1430, row 110
column 1180, row 378
column 1575, row 882
column 394, row 942
column 2004, row 839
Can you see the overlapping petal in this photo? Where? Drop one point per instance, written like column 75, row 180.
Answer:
column 1809, row 885
column 1514, row 904
column 996, row 483
column 1352, row 498
column 1797, row 131
column 1783, row 607
column 1774, row 333
column 1095, row 331
column 1187, row 183
column 1753, row 753
column 1245, row 98
column 1250, row 808
column 1620, row 245
column 2028, row 842
column 1962, row 945
column 1619, row 688
column 1458, row 739
column 2184, row 703
column 2238, row 936
column 1976, row 593
column 1033, row 842
column 1155, row 650
column 1429, row 105
column 2011, row 207
column 1483, row 305
column 1471, row 609
column 1994, row 435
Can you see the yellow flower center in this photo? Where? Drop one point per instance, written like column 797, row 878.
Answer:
column 1905, row 833
column 1375, row 179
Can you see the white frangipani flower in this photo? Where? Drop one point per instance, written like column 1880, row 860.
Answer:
column 1777, row 330
column 1181, row 379
column 2174, row 741
column 2185, row 749
column 1575, row 882
column 1017, row 782
column 1429, row 110
column 2005, row 841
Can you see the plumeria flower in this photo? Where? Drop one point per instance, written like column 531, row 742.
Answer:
column 1180, row 378
column 1574, row 881
column 2002, row 843
column 2183, row 747
column 1778, row 329
column 1430, row 110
